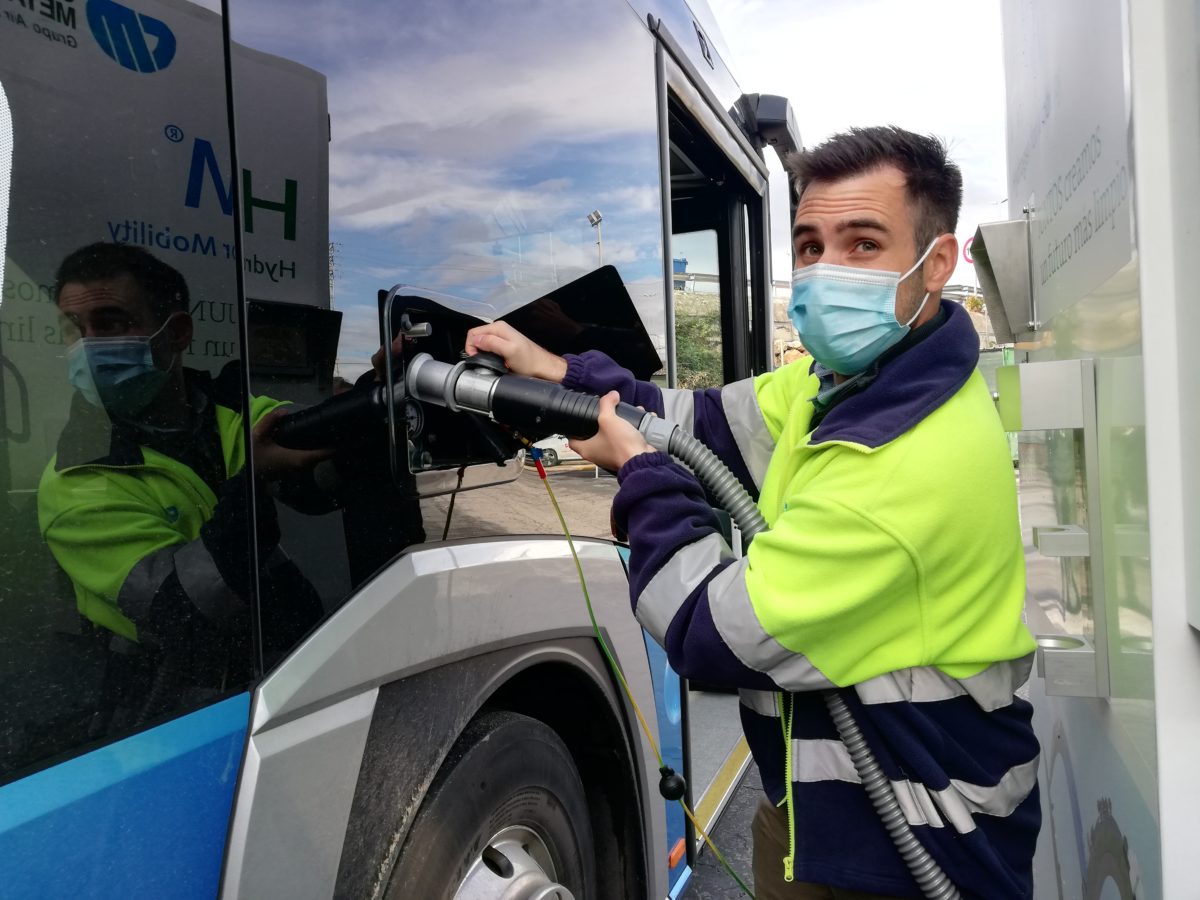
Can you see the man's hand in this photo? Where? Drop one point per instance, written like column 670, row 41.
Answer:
column 378, row 360
column 273, row 462
column 520, row 354
column 616, row 442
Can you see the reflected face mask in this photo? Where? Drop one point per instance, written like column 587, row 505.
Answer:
column 117, row 374
column 846, row 316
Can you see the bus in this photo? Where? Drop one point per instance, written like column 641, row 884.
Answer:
column 400, row 692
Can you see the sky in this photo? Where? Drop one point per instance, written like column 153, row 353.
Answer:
column 486, row 197
column 932, row 66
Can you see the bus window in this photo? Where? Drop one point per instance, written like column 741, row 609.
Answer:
column 124, row 563
column 715, row 298
column 415, row 161
column 697, row 301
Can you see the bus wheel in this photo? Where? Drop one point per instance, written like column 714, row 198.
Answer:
column 505, row 819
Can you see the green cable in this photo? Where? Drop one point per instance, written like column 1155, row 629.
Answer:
column 612, row 662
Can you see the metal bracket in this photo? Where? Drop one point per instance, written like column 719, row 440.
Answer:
column 1068, row 664
column 1061, row 540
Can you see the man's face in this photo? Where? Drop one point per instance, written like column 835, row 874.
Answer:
column 864, row 221
column 118, row 307
column 111, row 307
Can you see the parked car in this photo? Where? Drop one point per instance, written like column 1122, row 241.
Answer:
column 554, row 452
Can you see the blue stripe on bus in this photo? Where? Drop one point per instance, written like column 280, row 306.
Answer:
column 146, row 816
column 669, row 709
column 681, row 883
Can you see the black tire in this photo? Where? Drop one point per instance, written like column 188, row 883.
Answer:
column 505, row 770
column 550, row 457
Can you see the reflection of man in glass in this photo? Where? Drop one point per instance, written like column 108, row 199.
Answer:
column 146, row 503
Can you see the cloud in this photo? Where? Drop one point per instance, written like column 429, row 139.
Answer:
column 479, row 188
column 934, row 67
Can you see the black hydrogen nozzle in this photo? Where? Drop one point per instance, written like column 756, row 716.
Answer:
column 332, row 422
column 542, row 407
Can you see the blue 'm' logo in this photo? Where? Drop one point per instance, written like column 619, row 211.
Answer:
column 125, row 36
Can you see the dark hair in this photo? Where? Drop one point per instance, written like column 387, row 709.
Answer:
column 162, row 285
column 932, row 181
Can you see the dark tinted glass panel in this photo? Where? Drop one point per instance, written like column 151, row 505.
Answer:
column 124, row 575
column 487, row 155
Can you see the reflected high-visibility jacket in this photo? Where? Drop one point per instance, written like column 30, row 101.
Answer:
column 147, row 543
column 892, row 571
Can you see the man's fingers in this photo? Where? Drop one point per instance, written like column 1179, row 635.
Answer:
column 267, row 423
column 485, row 341
column 488, row 334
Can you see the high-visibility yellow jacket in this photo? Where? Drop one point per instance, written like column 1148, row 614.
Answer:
column 892, row 572
column 126, row 522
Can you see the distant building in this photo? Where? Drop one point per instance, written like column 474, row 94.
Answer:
column 679, row 267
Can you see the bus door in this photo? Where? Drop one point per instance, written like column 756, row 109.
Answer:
column 720, row 315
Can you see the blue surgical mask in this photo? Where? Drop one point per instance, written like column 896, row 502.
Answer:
column 117, row 374
column 846, row 316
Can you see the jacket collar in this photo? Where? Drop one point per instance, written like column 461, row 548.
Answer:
column 92, row 438
column 908, row 387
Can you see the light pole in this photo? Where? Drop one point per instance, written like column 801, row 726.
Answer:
column 594, row 219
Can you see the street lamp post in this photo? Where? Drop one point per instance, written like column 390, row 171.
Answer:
column 594, row 219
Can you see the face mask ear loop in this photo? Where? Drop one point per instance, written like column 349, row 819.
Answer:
column 908, row 324
column 924, row 256
column 916, row 266
column 163, row 326
column 150, row 339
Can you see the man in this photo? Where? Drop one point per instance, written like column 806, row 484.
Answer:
column 146, row 503
column 892, row 569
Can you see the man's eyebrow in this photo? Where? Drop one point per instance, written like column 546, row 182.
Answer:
column 873, row 224
column 844, row 225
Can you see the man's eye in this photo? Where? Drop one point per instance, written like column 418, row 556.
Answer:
column 809, row 250
column 114, row 326
column 868, row 246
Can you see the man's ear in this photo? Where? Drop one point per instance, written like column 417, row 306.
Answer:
column 940, row 264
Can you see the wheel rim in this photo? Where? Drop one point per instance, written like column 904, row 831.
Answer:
column 514, row 865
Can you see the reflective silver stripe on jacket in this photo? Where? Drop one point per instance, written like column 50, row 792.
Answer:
column 680, row 407
column 202, row 582
column 761, row 702
column 671, row 585
column 750, row 431
column 827, row 760
column 738, row 625
column 992, row 689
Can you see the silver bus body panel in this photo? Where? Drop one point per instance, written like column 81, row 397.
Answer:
column 293, row 804
column 435, row 605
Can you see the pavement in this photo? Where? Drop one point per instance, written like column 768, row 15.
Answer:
column 522, row 506
column 732, row 836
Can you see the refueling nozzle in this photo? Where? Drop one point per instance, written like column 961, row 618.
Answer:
column 527, row 404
